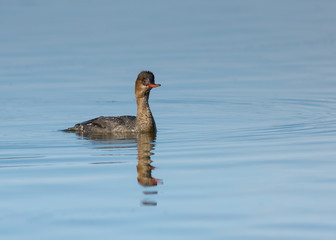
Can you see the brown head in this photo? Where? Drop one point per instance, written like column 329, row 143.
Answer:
column 144, row 83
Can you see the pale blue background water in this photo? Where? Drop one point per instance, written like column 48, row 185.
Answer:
column 246, row 116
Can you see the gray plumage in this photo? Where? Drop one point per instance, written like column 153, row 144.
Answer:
column 143, row 122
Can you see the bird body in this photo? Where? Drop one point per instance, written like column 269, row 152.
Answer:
column 143, row 122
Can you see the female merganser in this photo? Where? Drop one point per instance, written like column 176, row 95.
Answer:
column 143, row 122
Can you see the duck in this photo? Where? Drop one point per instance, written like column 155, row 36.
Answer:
column 143, row 122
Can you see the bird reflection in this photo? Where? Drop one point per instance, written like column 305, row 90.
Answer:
column 145, row 143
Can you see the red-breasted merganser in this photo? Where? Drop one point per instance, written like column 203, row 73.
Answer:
column 143, row 122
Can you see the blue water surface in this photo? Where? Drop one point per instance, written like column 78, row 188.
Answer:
column 246, row 116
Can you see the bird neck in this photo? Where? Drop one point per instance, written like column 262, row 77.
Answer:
column 145, row 120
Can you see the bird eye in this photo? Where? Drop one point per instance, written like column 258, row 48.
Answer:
column 145, row 82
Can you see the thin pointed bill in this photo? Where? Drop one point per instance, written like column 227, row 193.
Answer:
column 154, row 85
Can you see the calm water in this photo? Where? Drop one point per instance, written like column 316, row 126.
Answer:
column 246, row 147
